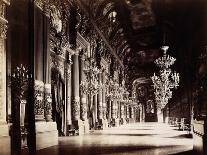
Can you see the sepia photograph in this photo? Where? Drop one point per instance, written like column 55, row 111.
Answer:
column 103, row 77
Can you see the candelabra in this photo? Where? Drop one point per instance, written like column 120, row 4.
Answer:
column 90, row 85
column 19, row 87
column 166, row 80
column 115, row 92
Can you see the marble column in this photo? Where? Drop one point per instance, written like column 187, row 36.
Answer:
column 110, row 110
column 122, row 116
column 2, row 81
column 68, row 91
column 95, row 108
column 100, row 106
column 113, row 109
column 75, row 103
column 104, row 95
column 75, row 88
column 83, row 96
column 127, row 114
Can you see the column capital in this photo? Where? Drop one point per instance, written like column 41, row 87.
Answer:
column 78, row 51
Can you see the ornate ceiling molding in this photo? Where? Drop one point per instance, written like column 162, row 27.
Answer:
column 100, row 32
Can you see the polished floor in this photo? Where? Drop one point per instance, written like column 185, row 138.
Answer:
column 131, row 139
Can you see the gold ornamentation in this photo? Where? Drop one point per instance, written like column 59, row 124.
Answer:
column 76, row 108
column 3, row 31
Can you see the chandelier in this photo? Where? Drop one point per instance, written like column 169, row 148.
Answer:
column 90, row 85
column 114, row 90
column 166, row 80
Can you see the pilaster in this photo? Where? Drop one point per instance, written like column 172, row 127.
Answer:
column 4, row 128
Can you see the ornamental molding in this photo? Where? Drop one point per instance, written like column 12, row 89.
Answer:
column 3, row 21
column 39, row 100
column 76, row 108
column 55, row 17
column 3, row 31
column 82, row 42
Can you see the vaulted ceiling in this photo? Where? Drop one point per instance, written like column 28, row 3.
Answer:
column 141, row 27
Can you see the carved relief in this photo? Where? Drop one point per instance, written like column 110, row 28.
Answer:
column 3, row 31
column 76, row 108
column 56, row 19
column 48, row 102
column 39, row 100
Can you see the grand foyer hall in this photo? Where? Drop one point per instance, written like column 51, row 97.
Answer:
column 103, row 77
column 130, row 139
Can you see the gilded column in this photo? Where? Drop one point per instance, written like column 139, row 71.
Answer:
column 83, row 96
column 75, row 88
column 68, row 83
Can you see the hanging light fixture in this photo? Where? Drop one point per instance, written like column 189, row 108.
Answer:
column 166, row 80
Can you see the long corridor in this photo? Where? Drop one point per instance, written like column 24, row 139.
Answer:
column 135, row 139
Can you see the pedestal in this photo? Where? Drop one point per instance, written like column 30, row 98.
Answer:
column 5, row 143
column 79, row 126
column 200, row 137
column 105, row 124
column 123, row 121
column 115, row 122
column 46, row 134
column 86, row 126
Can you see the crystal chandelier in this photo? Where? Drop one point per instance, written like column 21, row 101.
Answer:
column 91, row 85
column 166, row 80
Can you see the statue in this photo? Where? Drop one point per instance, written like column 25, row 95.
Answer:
column 58, row 104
